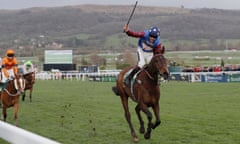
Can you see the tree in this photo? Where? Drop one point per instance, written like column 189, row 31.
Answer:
column 97, row 60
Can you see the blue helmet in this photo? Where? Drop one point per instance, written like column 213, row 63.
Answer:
column 154, row 32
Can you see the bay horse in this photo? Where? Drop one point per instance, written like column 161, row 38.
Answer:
column 145, row 91
column 30, row 80
column 10, row 96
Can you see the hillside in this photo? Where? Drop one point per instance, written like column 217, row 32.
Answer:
column 90, row 27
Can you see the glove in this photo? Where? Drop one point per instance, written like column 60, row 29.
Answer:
column 10, row 77
column 125, row 28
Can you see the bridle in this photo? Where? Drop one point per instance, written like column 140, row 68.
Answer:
column 16, row 86
column 158, row 67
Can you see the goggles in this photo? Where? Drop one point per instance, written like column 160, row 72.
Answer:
column 153, row 36
column 10, row 55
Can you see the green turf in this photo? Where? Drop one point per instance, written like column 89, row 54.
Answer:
column 73, row 112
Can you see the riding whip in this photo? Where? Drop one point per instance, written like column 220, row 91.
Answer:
column 132, row 13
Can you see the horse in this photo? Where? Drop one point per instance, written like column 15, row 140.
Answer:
column 10, row 96
column 145, row 91
column 30, row 80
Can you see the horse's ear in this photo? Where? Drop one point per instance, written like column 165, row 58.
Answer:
column 163, row 49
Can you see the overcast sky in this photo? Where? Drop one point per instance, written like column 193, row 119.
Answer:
column 220, row 4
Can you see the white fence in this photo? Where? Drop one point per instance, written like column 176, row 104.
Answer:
column 74, row 75
column 224, row 76
column 17, row 135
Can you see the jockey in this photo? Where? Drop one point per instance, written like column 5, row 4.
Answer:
column 9, row 66
column 149, row 43
column 28, row 67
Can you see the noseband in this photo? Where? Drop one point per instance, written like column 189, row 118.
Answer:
column 22, row 85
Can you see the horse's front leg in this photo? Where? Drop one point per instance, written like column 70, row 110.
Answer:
column 16, row 113
column 145, row 109
column 156, row 110
column 30, row 94
column 147, row 135
column 142, row 129
column 4, row 113
column 128, row 117
column 23, row 96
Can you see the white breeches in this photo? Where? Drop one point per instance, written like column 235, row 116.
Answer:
column 143, row 57
column 11, row 74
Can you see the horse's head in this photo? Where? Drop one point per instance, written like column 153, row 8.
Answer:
column 29, row 77
column 160, row 63
column 19, row 84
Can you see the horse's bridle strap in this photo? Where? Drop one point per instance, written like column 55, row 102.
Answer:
column 148, row 74
column 16, row 94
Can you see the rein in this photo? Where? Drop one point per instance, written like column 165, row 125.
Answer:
column 148, row 74
column 16, row 94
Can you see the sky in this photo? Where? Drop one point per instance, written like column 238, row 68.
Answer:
column 219, row 4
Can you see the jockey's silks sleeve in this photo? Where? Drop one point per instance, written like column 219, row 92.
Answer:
column 15, row 69
column 135, row 34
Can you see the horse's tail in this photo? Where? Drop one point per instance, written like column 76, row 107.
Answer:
column 115, row 90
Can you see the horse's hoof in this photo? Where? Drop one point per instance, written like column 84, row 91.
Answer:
column 135, row 139
column 156, row 124
column 142, row 130
column 147, row 135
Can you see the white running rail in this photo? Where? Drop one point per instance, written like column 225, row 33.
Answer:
column 16, row 135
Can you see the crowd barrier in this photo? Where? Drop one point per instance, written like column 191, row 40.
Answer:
column 229, row 76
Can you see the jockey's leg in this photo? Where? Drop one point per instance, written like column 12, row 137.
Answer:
column 141, row 63
column 130, row 76
column 4, row 78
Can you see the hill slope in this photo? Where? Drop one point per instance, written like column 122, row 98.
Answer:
column 93, row 26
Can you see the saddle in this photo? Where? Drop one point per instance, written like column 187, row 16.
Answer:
column 132, row 80
column 126, row 75
column 3, row 85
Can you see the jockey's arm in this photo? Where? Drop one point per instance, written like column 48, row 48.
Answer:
column 4, row 70
column 15, row 69
column 135, row 34
column 32, row 68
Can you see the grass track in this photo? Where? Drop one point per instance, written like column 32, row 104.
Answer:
column 73, row 112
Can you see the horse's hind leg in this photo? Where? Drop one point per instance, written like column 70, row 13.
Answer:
column 142, row 129
column 128, row 117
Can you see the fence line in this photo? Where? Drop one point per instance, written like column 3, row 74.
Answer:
column 16, row 135
column 223, row 76
column 73, row 75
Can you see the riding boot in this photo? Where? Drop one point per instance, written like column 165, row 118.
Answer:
column 130, row 76
column 115, row 90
